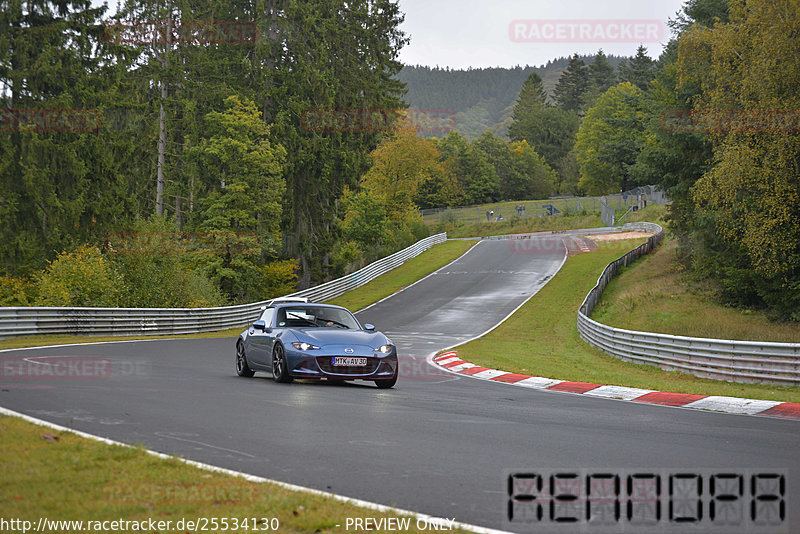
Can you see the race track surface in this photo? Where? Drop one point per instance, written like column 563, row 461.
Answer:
column 437, row 443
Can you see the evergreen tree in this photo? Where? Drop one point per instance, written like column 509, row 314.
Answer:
column 549, row 130
column 639, row 70
column 572, row 85
column 532, row 97
column 346, row 63
column 243, row 212
column 62, row 177
column 601, row 77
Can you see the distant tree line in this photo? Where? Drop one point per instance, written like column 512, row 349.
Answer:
column 480, row 98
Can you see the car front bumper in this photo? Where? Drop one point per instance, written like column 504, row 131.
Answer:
column 316, row 364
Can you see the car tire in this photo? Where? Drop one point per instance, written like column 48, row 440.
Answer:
column 280, row 369
column 386, row 384
column 242, row 368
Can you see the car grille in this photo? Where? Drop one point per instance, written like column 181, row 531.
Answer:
column 326, row 364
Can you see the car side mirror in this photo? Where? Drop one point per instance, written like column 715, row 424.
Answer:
column 260, row 325
column 368, row 326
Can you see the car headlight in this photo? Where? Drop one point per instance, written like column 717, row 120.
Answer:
column 302, row 345
column 385, row 349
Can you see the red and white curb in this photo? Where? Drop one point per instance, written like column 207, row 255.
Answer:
column 733, row 405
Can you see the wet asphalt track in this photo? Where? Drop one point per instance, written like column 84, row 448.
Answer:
column 437, row 443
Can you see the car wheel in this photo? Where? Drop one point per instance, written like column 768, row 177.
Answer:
column 242, row 369
column 386, row 384
column 280, row 369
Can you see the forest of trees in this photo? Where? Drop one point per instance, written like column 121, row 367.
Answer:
column 480, row 99
column 191, row 159
column 193, row 126
column 216, row 153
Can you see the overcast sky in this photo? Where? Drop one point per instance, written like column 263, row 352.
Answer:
column 476, row 33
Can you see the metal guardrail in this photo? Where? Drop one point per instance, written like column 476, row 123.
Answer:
column 721, row 359
column 17, row 321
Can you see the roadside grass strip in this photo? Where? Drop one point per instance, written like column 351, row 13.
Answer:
column 53, row 474
column 713, row 403
column 539, row 346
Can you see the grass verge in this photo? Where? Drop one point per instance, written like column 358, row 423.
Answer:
column 43, row 341
column 541, row 340
column 523, row 225
column 61, row 476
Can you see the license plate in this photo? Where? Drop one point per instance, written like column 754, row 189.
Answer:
column 349, row 361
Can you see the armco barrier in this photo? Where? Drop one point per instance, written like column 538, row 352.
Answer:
column 17, row 321
column 736, row 361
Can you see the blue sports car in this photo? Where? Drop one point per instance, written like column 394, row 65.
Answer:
column 298, row 339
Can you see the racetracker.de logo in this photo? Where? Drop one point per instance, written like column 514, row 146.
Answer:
column 586, row 31
column 50, row 120
column 181, row 243
column 528, row 244
column 191, row 32
column 23, row 368
column 56, row 368
column 723, row 121
column 425, row 120
column 165, row 493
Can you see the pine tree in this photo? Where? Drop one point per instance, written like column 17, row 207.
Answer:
column 61, row 176
column 601, row 76
column 572, row 85
column 532, row 96
column 638, row 70
column 550, row 130
column 345, row 65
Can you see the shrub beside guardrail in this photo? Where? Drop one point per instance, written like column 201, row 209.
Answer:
column 732, row 360
column 18, row 321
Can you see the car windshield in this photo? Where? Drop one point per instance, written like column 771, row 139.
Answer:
column 314, row 316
